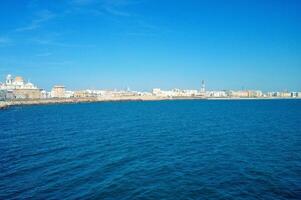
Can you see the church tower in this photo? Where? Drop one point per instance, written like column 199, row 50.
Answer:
column 203, row 89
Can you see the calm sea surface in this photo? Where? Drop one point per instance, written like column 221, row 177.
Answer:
column 193, row 149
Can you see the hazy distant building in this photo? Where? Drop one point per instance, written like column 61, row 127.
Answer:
column 156, row 91
column 82, row 94
column 255, row 93
column 216, row 94
column 69, row 94
column 58, row 91
column 294, row 94
column 285, row 94
column 246, row 94
column 239, row 94
column 174, row 93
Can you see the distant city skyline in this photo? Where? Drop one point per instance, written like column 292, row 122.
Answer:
column 147, row 44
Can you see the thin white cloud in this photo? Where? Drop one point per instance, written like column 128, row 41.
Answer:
column 42, row 16
column 58, row 44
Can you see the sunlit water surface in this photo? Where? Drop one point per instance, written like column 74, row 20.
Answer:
column 247, row 149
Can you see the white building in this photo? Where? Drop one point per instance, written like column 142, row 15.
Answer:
column 16, row 83
column 69, row 94
column 17, row 88
column 3, row 94
column 216, row 94
column 174, row 93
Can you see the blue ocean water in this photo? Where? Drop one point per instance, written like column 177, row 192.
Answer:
column 184, row 149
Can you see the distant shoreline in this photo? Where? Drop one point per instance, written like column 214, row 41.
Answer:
column 7, row 104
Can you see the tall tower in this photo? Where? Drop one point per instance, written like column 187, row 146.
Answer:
column 203, row 89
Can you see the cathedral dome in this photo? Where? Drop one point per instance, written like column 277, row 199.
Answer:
column 29, row 85
column 19, row 79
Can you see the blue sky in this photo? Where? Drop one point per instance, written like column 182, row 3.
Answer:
column 231, row 44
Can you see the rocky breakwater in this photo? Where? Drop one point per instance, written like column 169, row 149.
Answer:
column 47, row 101
column 22, row 102
column 3, row 105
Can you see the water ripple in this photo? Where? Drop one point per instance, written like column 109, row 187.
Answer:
column 152, row 150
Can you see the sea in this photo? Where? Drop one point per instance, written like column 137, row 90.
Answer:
column 152, row 150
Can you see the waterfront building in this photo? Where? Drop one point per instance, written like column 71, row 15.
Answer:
column 246, row 94
column 83, row 94
column 27, row 93
column 278, row 94
column 3, row 94
column 144, row 94
column 285, row 94
column 69, row 94
column 58, row 91
column 255, row 93
column 175, row 93
column 294, row 94
column 156, row 91
column 45, row 94
column 124, row 93
column 164, row 93
column 16, row 83
column 216, row 94
column 299, row 94
column 271, row 94
column 239, row 94
column 18, row 88
column 189, row 93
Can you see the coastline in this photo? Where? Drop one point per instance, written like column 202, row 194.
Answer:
column 7, row 104
column 23, row 102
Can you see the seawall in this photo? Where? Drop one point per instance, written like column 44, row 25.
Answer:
column 19, row 102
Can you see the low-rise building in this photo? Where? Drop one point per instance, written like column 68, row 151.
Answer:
column 82, row 94
column 246, row 94
column 69, row 94
column 216, row 94
column 3, row 94
column 239, row 94
column 58, row 91
column 175, row 93
column 270, row 94
column 27, row 93
column 156, row 91
column 285, row 94
column 255, row 93
column 294, row 94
